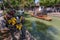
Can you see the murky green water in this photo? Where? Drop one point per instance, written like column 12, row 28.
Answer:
column 43, row 30
column 42, row 33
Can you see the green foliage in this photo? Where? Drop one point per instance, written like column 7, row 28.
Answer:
column 14, row 3
column 6, row 4
column 49, row 2
column 19, row 3
column 28, row 3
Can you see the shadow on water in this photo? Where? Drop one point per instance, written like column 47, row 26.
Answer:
column 40, row 30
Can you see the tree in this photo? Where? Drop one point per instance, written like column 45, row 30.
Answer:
column 19, row 3
column 27, row 3
column 49, row 2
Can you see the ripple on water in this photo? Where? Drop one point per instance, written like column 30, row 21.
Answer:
column 53, row 30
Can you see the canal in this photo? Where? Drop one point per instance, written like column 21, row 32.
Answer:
column 43, row 30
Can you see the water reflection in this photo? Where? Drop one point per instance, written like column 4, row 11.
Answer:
column 52, row 29
column 47, row 34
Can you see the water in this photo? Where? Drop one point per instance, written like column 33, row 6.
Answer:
column 51, row 33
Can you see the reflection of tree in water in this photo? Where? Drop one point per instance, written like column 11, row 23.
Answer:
column 39, row 30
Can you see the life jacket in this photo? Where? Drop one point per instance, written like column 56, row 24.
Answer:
column 13, row 21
